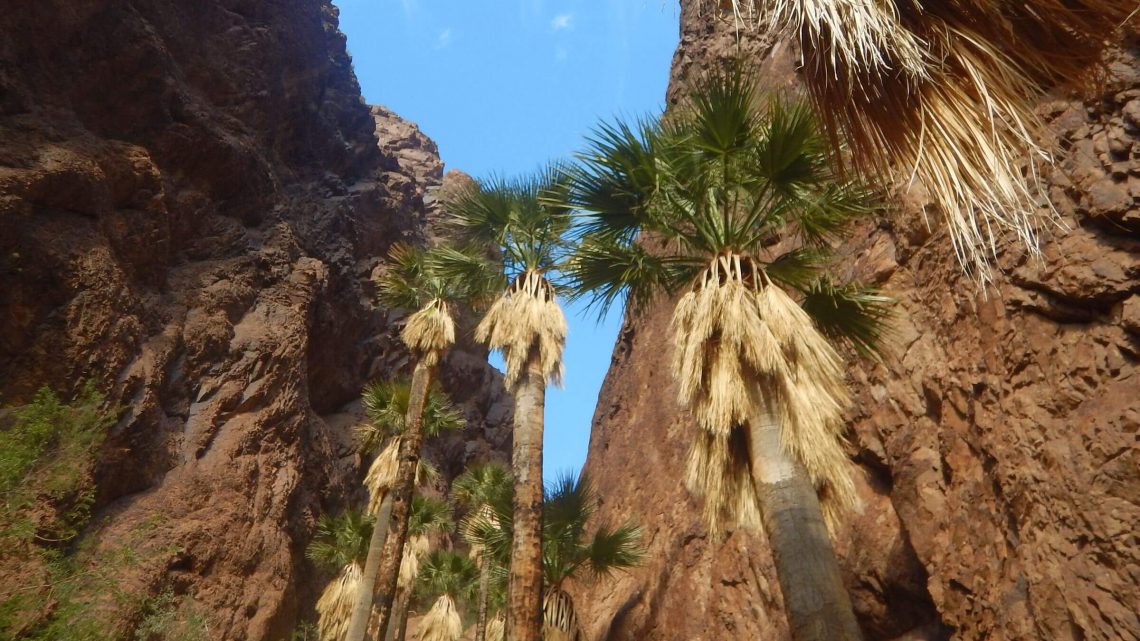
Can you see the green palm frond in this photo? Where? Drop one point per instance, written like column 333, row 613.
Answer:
column 525, row 221
column 448, row 572
column 481, row 484
column 386, row 406
column 605, row 272
column 730, row 174
column 429, row 515
column 341, row 539
column 613, row 549
column 851, row 313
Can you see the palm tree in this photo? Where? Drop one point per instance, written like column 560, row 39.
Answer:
column 405, row 414
column 946, row 93
column 450, row 577
column 569, row 550
column 527, row 325
column 340, row 543
column 744, row 199
column 409, row 283
column 428, row 516
column 476, row 489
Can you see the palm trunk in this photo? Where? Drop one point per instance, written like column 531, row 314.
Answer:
column 816, row 603
column 399, row 614
column 363, row 606
column 381, row 592
column 484, row 589
column 524, row 601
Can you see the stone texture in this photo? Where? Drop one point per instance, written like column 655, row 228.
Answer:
column 193, row 201
column 998, row 442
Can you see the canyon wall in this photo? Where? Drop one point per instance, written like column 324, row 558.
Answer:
column 193, row 202
column 998, row 443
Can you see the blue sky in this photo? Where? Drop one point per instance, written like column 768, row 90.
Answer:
column 505, row 86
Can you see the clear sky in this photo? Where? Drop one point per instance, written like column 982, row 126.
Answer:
column 505, row 86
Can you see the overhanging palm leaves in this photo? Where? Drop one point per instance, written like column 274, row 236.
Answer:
column 449, row 577
column 743, row 199
column 945, row 92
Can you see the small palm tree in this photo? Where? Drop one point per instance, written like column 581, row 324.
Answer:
column 476, row 489
column 569, row 550
column 449, row 577
column 392, row 415
column 428, row 516
column 340, row 543
column 947, row 93
column 745, row 200
column 527, row 325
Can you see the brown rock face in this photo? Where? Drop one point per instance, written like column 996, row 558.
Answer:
column 192, row 205
column 998, row 442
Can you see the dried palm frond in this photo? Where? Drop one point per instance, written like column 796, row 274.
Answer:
column 417, row 546
column 740, row 347
column 382, row 475
column 944, row 93
column 442, row 622
column 334, row 608
column 496, row 628
column 559, row 620
column 430, row 331
column 526, row 317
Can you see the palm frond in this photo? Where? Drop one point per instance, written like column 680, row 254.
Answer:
column 451, row 573
column 386, row 406
column 608, row 272
column 334, row 607
column 341, row 539
column 428, row 515
column 442, row 622
column 852, row 314
column 613, row 549
column 480, row 484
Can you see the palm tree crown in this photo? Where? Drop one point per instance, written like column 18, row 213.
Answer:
column 526, row 232
column 743, row 198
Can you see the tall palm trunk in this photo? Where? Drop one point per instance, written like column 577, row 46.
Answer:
column 399, row 614
column 484, row 589
column 816, row 603
column 362, row 606
column 524, row 596
column 401, row 501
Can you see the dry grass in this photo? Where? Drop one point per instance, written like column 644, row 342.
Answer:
column 526, row 317
column 334, row 608
column 943, row 93
column 740, row 347
column 442, row 622
column 429, row 332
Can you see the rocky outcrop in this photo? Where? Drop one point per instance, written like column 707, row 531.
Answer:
column 193, row 201
column 998, row 442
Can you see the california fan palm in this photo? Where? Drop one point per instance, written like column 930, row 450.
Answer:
column 476, row 489
column 570, row 552
column 945, row 93
column 527, row 325
column 402, row 414
column 412, row 284
column 742, row 196
column 429, row 516
column 452, row 579
column 340, row 543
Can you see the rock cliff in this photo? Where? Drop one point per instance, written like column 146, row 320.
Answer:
column 193, row 201
column 999, row 442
